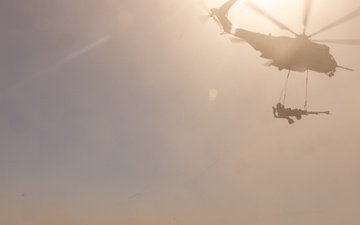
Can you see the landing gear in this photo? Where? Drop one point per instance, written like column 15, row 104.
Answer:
column 330, row 74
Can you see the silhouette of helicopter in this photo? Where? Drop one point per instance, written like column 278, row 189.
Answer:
column 298, row 53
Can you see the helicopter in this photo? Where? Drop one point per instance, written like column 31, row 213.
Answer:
column 299, row 53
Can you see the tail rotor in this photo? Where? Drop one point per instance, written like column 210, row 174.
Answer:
column 205, row 18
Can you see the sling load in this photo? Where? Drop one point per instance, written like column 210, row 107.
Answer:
column 279, row 111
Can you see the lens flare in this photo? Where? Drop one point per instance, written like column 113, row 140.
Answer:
column 213, row 93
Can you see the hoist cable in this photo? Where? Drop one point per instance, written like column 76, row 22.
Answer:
column 306, row 90
column 284, row 90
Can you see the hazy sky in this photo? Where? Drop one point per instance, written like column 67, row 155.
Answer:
column 115, row 112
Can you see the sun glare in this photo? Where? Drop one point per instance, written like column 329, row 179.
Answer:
column 263, row 3
column 213, row 93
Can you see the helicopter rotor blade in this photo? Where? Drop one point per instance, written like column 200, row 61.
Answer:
column 342, row 20
column 237, row 40
column 202, row 5
column 204, row 18
column 257, row 9
column 307, row 10
column 343, row 42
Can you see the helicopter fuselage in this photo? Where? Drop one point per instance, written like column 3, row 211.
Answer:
column 296, row 54
column 292, row 53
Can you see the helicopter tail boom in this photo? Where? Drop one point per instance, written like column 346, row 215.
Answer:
column 221, row 15
column 223, row 10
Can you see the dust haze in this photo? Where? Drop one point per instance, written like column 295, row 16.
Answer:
column 138, row 113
